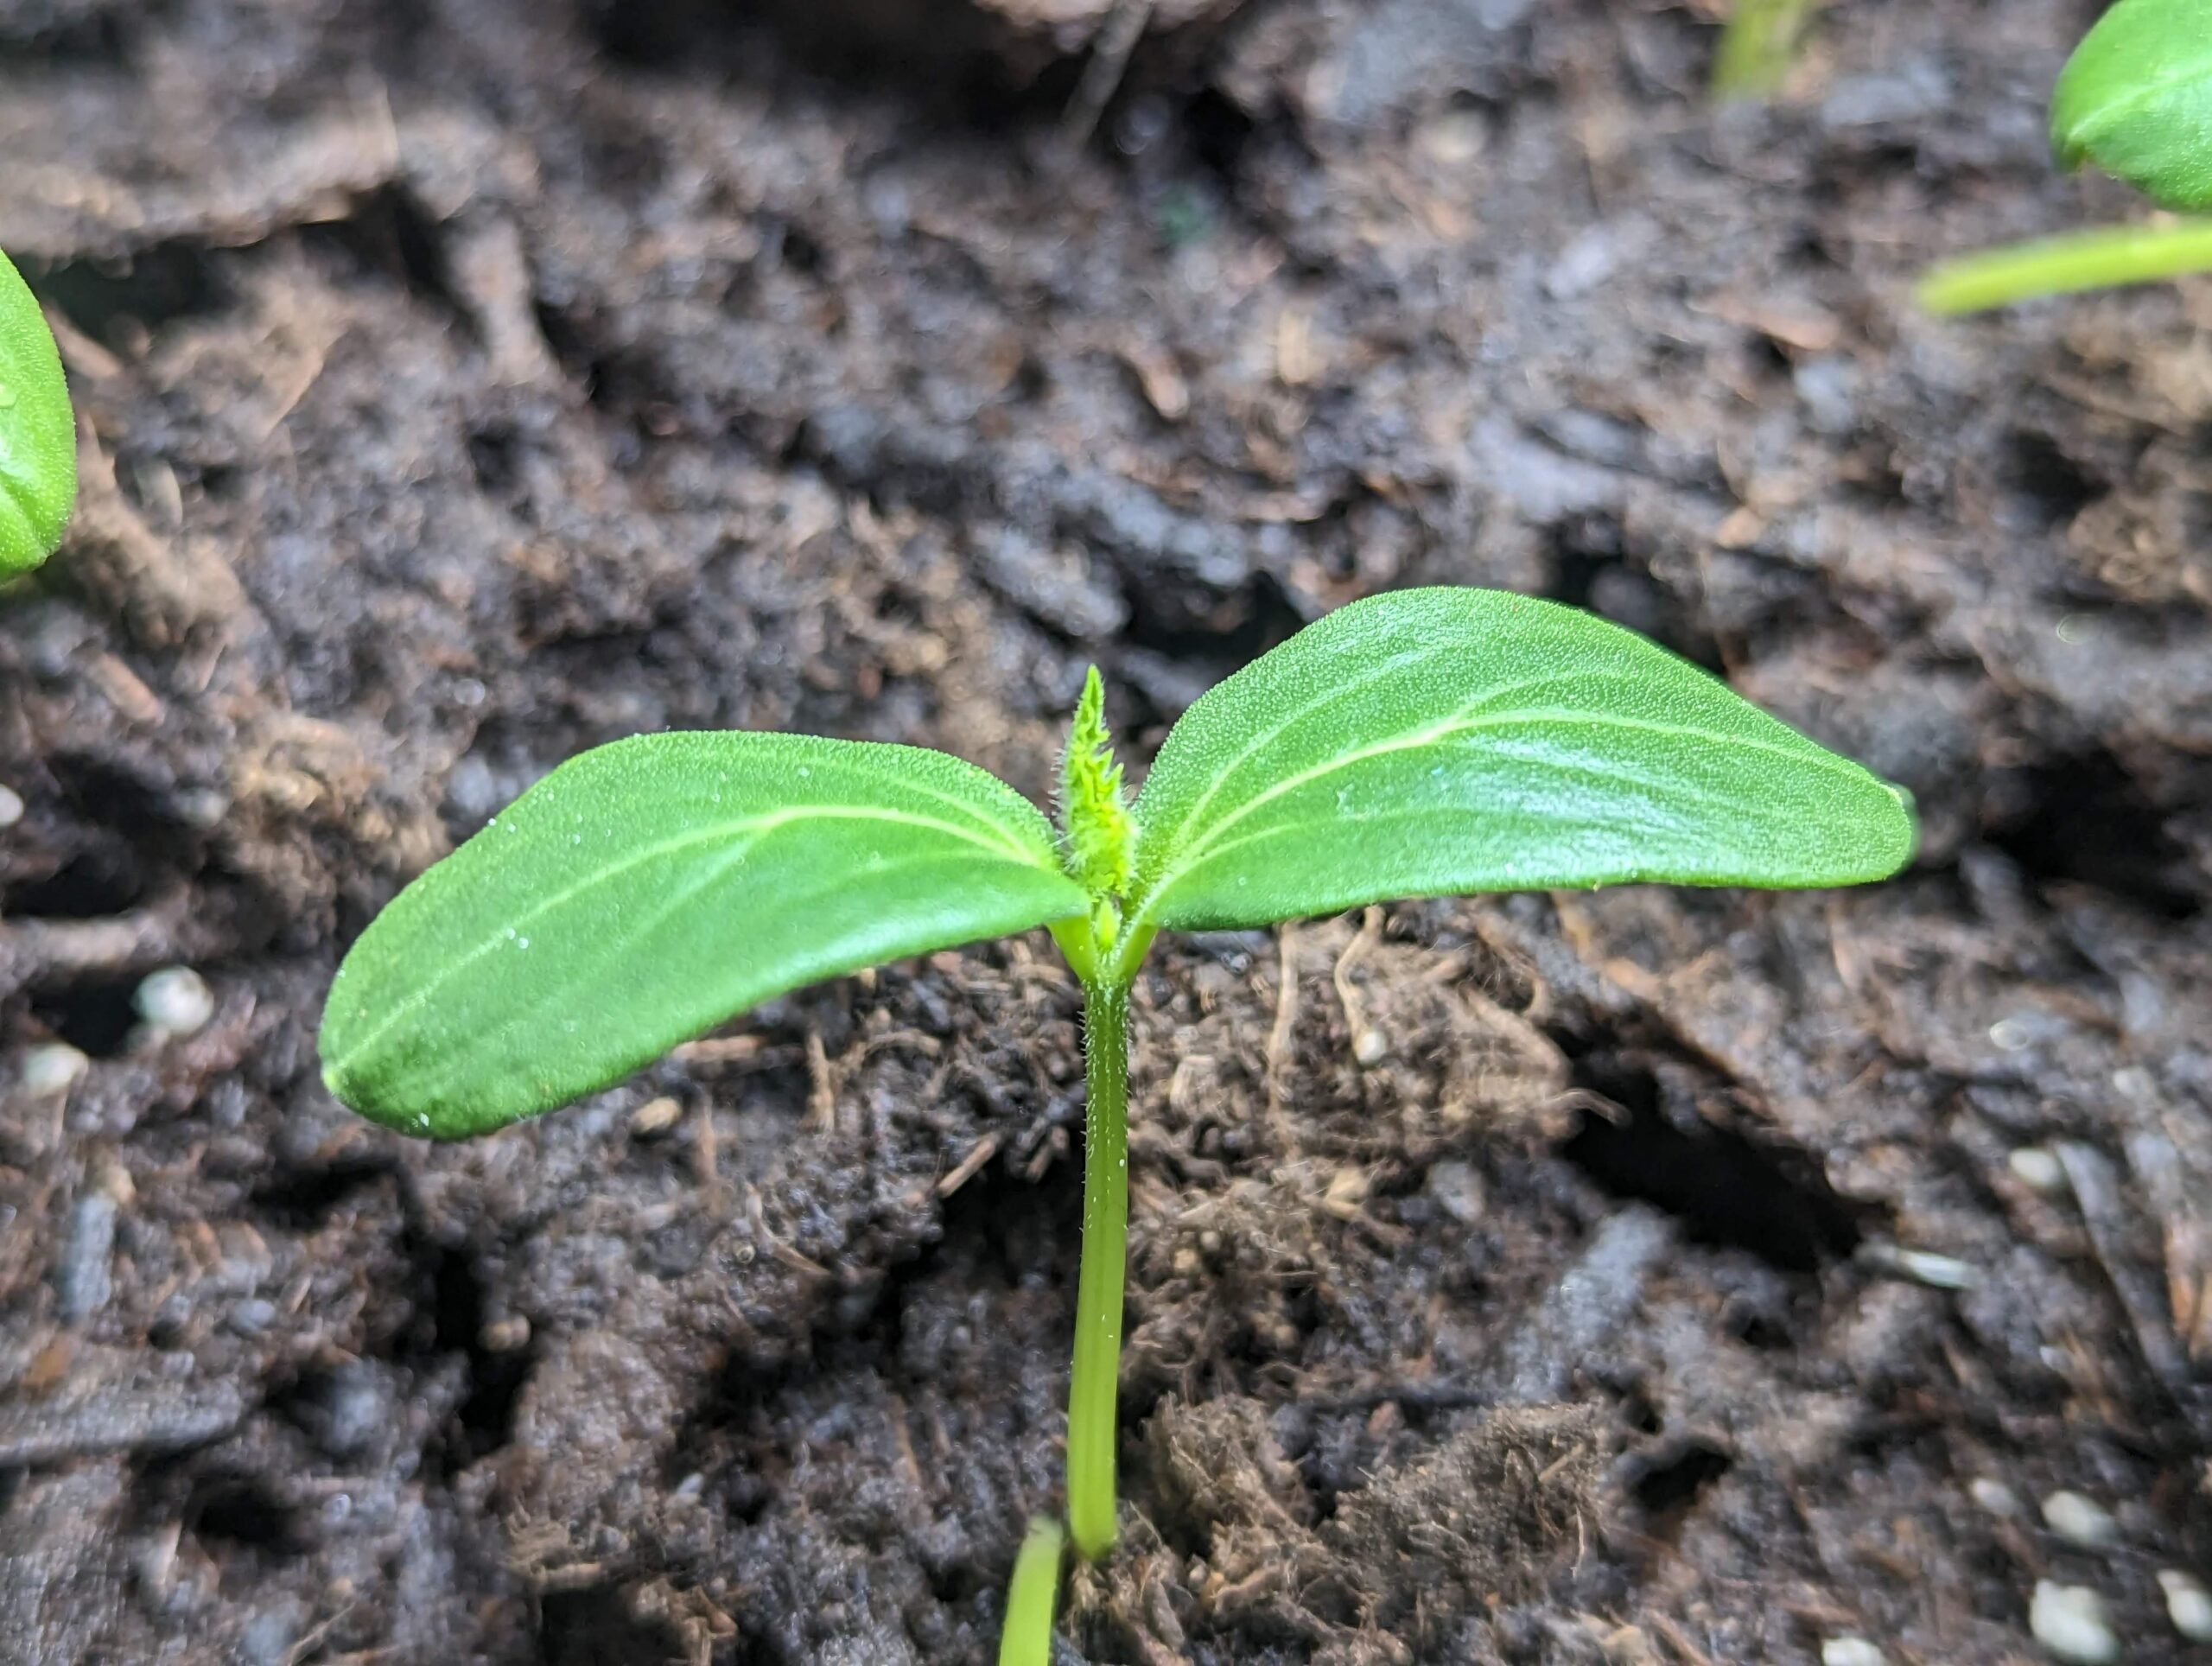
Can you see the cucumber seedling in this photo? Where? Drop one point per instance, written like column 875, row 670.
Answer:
column 1420, row 743
column 2135, row 100
column 38, row 436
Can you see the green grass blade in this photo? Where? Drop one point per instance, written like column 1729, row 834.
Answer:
column 1027, row 1638
column 2136, row 99
column 647, row 890
column 38, row 436
column 1434, row 742
column 2104, row 258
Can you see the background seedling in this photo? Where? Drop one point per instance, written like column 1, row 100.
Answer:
column 1758, row 45
column 1027, row 1638
column 2135, row 100
column 1422, row 743
column 38, row 437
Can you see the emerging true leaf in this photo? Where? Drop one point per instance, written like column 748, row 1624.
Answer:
column 647, row 890
column 1436, row 742
column 2136, row 99
column 38, row 437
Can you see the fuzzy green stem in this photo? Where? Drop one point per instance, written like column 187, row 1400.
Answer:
column 1758, row 46
column 2102, row 259
column 1027, row 1638
column 1092, row 1427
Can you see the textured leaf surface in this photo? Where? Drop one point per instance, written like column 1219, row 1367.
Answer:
column 2136, row 99
column 648, row 890
column 1434, row 742
column 38, row 437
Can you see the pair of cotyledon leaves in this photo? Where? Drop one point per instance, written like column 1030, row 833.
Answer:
column 1420, row 743
column 38, row 439
column 2136, row 99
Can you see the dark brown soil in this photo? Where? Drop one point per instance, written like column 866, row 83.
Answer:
column 471, row 381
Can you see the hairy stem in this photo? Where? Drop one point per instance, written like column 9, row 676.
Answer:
column 2102, row 259
column 1027, row 1638
column 1092, row 1427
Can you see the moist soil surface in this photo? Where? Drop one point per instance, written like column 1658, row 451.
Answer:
column 1640, row 1276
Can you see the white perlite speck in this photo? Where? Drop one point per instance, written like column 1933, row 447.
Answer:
column 1937, row 1272
column 2069, row 1621
column 53, row 1070
column 2080, row 1520
column 1994, row 1496
column 2188, row 1604
column 1851, row 1651
column 11, row 807
column 175, row 1001
column 2038, row 1168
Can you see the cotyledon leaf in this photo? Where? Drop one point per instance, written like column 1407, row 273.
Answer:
column 38, row 437
column 1441, row 741
column 648, row 890
column 2136, row 99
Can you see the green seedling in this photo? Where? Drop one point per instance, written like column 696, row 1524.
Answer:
column 38, row 436
column 1027, row 1638
column 1758, row 45
column 2135, row 100
column 1421, row 743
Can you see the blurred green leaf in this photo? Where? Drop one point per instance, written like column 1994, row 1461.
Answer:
column 38, row 436
column 2136, row 99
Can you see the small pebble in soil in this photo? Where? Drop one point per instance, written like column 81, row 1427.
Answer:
column 1850, row 1652
column 82, row 1282
column 53, row 1070
column 1921, row 1266
column 504, row 1335
column 1937, row 1272
column 1457, row 1190
column 353, row 1410
column 252, row 1316
column 202, row 807
column 271, row 1639
column 655, row 1117
column 2188, row 1604
column 2038, row 1168
column 2080, row 1520
column 1995, row 1496
column 1372, row 1047
column 175, row 1001
column 2069, row 1621
column 11, row 807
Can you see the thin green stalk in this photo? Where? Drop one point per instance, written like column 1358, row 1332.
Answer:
column 1092, row 1423
column 1027, row 1638
column 2102, row 259
column 1758, row 45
